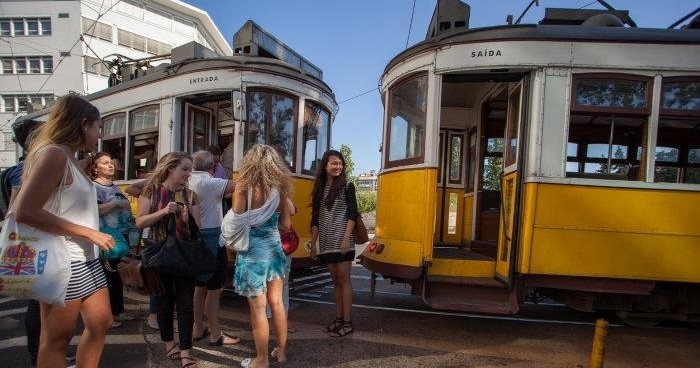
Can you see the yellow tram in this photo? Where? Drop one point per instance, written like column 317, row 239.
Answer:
column 265, row 93
column 556, row 160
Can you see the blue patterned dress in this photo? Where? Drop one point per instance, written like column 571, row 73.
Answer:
column 263, row 262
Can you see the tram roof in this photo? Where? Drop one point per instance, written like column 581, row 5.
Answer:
column 240, row 62
column 552, row 33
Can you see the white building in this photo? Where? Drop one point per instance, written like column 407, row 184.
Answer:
column 367, row 181
column 43, row 55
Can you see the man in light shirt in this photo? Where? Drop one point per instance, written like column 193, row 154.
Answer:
column 211, row 191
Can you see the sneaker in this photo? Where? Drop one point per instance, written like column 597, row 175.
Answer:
column 152, row 321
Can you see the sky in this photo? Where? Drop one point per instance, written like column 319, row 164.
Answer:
column 352, row 42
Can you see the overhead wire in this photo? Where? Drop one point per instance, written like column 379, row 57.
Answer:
column 360, row 95
column 80, row 38
column 410, row 24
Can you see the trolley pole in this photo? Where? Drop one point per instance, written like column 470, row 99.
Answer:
column 599, row 339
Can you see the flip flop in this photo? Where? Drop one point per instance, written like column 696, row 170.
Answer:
column 220, row 340
column 274, row 355
column 245, row 363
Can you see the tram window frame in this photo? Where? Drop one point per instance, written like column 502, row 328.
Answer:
column 310, row 129
column 109, row 137
column 472, row 140
column 510, row 145
column 458, row 167
column 133, row 137
column 388, row 162
column 268, row 121
column 582, row 159
column 672, row 135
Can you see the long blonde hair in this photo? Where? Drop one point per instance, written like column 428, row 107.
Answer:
column 264, row 169
column 167, row 163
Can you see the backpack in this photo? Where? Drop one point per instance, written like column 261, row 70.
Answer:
column 5, row 190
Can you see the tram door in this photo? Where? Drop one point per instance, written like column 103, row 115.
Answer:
column 450, row 188
column 509, row 182
column 199, row 125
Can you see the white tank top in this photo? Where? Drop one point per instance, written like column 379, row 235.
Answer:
column 79, row 206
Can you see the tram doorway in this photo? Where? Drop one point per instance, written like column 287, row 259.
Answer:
column 208, row 121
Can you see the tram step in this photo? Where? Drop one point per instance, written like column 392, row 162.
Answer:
column 476, row 266
column 470, row 294
column 485, row 247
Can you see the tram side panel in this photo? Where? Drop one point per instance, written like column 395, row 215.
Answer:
column 618, row 233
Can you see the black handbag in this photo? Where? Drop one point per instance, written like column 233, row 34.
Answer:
column 173, row 256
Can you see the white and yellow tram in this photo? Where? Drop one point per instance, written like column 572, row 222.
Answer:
column 264, row 93
column 560, row 159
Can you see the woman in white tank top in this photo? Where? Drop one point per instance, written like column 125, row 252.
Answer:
column 73, row 124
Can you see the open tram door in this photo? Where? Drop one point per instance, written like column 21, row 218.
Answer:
column 509, row 181
column 450, row 188
column 209, row 121
column 199, row 127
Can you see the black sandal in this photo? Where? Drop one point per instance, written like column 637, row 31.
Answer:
column 335, row 325
column 343, row 330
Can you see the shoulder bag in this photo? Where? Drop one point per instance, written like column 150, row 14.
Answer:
column 359, row 232
column 34, row 264
column 290, row 241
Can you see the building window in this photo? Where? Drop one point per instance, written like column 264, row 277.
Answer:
column 183, row 26
column 96, row 66
column 129, row 7
column 141, row 43
column 96, row 29
column 22, row 102
column 607, row 125
column 317, row 122
column 159, row 18
column 27, row 64
column 407, row 116
column 272, row 120
column 25, row 26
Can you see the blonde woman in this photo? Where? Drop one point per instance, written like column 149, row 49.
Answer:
column 166, row 193
column 74, row 124
column 264, row 181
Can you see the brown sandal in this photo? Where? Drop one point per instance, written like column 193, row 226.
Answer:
column 172, row 353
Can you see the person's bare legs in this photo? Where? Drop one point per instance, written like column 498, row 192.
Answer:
column 279, row 316
column 57, row 327
column 337, row 289
column 345, row 285
column 97, row 317
column 200, row 298
column 261, row 330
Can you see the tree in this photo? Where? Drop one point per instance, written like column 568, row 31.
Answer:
column 349, row 164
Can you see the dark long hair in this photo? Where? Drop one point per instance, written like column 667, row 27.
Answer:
column 336, row 188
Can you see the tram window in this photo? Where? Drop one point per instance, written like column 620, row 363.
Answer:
column 512, row 125
column 114, row 141
column 601, row 93
column 407, row 119
column 143, row 141
column 316, row 128
column 677, row 158
column 493, row 164
column 225, row 132
column 272, row 121
column 456, row 160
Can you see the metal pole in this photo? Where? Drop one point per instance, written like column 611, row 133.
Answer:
column 599, row 339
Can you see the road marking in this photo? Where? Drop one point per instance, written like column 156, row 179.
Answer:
column 8, row 299
column 438, row 313
column 12, row 312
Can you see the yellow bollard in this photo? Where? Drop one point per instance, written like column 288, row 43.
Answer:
column 599, row 339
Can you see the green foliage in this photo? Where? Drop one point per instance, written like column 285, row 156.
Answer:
column 493, row 166
column 349, row 163
column 366, row 201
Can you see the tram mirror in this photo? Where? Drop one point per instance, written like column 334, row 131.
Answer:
column 238, row 103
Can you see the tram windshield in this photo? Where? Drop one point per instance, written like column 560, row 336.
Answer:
column 272, row 120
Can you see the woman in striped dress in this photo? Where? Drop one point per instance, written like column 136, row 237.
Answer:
column 74, row 124
column 333, row 216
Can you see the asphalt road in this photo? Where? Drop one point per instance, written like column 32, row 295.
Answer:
column 393, row 330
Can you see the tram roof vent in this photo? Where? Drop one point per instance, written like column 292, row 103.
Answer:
column 586, row 17
column 448, row 15
column 191, row 50
column 253, row 40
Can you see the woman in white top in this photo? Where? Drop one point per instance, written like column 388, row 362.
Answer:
column 74, row 124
